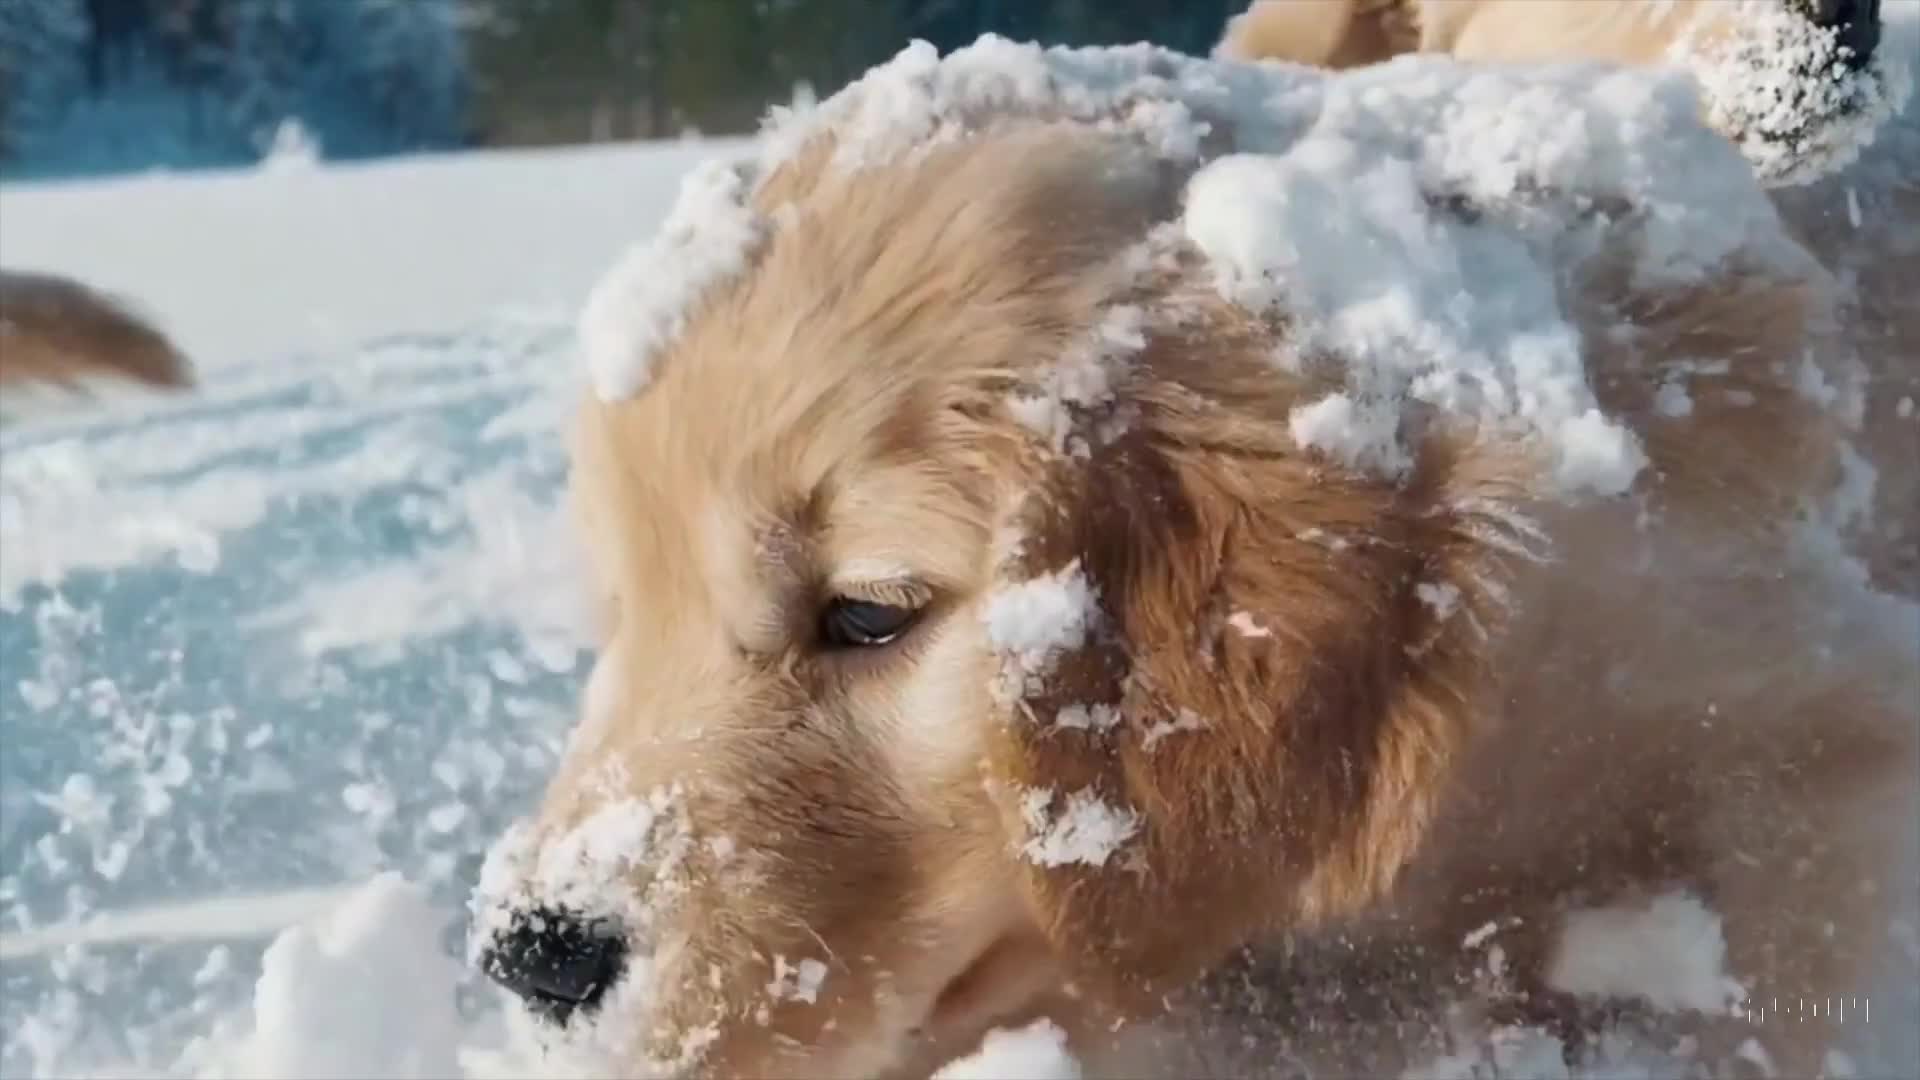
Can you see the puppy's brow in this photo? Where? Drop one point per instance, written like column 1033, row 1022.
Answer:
column 873, row 571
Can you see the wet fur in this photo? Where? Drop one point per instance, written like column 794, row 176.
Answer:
column 1608, row 713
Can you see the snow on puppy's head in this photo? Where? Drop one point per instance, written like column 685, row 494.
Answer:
column 637, row 310
column 1418, row 233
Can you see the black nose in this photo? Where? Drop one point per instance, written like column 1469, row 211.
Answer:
column 556, row 961
column 1856, row 22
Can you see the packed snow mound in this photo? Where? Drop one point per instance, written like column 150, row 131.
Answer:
column 1035, row 1052
column 365, row 991
column 1417, row 220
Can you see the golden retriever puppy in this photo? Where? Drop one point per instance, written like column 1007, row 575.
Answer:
column 1801, row 86
column 56, row 331
column 1252, row 566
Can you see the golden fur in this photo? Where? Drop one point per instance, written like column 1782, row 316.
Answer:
column 1349, row 33
column 1608, row 713
column 57, row 331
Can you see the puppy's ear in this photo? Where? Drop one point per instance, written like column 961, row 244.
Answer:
column 1234, row 678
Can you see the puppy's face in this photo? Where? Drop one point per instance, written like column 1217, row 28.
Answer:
column 773, row 847
column 783, row 742
column 977, row 637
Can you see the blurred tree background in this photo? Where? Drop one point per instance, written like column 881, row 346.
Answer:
column 99, row 86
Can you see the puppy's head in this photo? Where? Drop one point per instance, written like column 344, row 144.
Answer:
column 975, row 633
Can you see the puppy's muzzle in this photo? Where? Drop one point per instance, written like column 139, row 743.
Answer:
column 556, row 961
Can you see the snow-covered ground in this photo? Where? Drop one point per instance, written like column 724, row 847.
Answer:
column 292, row 259
column 280, row 660
column 317, row 620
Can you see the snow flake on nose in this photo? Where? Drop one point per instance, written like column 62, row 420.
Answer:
column 622, row 862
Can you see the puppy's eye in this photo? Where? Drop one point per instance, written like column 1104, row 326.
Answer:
column 848, row 623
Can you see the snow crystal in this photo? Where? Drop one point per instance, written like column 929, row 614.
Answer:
column 643, row 303
column 1322, row 538
column 1184, row 720
column 1035, row 1052
column 1670, row 952
column 798, row 982
column 1247, row 626
column 1087, row 829
column 1363, row 435
column 1480, row 935
column 79, row 804
column 1087, row 717
column 446, row 817
column 1443, row 599
column 1032, row 622
column 1781, row 89
column 1081, row 380
column 1754, row 1054
column 218, row 962
column 1673, row 401
column 1506, row 1051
